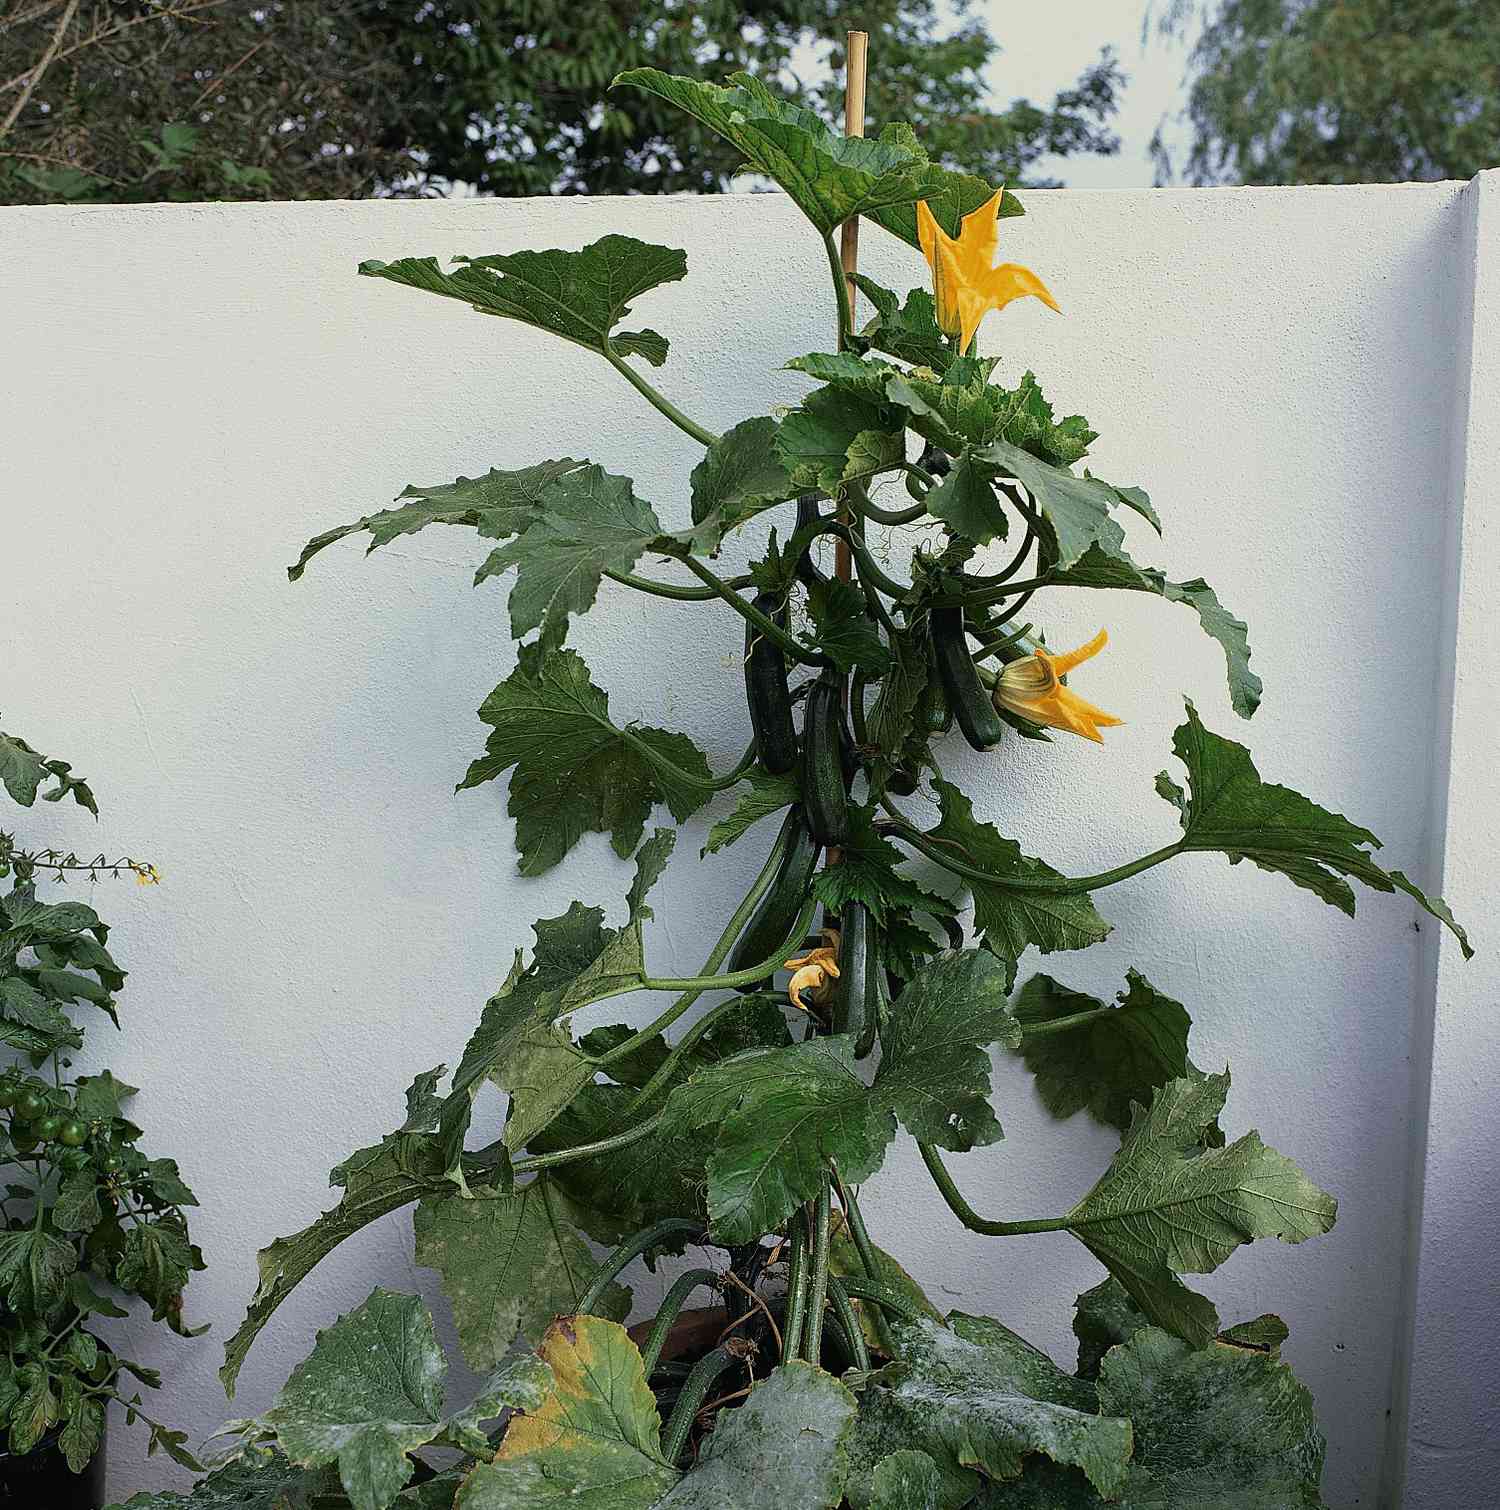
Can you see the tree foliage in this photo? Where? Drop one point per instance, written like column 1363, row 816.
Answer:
column 342, row 99
column 1340, row 91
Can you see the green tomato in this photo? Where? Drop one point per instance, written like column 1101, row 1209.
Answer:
column 48, row 1126
column 111, row 1163
column 24, row 1142
column 30, row 1104
column 73, row 1133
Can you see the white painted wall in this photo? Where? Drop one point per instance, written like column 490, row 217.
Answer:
column 190, row 391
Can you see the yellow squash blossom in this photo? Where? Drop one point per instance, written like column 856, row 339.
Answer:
column 966, row 284
column 815, row 972
column 1032, row 689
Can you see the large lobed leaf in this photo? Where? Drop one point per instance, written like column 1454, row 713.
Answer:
column 576, row 771
column 1122, row 1054
column 594, row 1443
column 376, row 1181
column 978, row 1401
column 1216, row 1428
column 779, row 1116
column 497, row 505
column 588, row 522
column 837, row 436
column 510, row 1262
column 1169, row 1204
column 1230, row 809
column 257, row 1481
column 830, row 177
column 576, row 961
column 1011, row 917
column 785, row 1445
column 740, row 475
column 371, row 1393
column 580, row 296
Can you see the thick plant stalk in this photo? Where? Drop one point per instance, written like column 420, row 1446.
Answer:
column 671, row 1308
column 971, row 1218
column 796, row 1291
column 690, row 1401
column 889, row 1300
column 843, row 1309
column 632, row 1248
column 817, row 1288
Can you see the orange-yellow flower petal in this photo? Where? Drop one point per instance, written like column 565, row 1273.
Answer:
column 966, row 284
column 815, row 972
column 1032, row 689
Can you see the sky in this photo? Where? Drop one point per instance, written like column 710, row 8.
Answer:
column 1047, row 46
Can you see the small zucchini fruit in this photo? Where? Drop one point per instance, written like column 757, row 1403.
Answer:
column 766, row 691
column 857, row 1001
column 773, row 920
column 825, row 788
column 966, row 695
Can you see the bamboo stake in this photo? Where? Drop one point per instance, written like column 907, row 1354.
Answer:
column 856, row 53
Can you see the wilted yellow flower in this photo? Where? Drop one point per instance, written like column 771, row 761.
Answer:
column 815, row 972
column 147, row 875
column 1032, row 689
column 966, row 284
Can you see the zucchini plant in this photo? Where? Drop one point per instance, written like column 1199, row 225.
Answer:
column 794, row 1361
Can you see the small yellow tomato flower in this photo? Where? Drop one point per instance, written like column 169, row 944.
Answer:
column 1032, row 689
column 815, row 972
column 966, row 284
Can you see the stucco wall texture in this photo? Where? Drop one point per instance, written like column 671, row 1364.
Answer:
column 1299, row 379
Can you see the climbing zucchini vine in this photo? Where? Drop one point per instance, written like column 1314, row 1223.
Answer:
column 740, row 1123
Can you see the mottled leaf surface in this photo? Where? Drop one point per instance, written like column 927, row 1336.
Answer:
column 594, row 1444
column 1169, row 1205
column 978, row 1400
column 376, row 1181
column 508, row 1264
column 783, row 1446
column 1216, row 1428
column 907, row 1480
column 369, row 1394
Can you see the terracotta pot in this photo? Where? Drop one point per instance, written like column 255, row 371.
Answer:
column 41, row 1478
